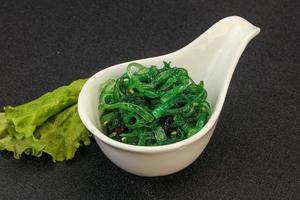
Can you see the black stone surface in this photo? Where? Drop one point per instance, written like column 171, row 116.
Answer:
column 254, row 152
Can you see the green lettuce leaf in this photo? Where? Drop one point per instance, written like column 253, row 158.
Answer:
column 60, row 136
column 24, row 119
column 3, row 125
column 10, row 143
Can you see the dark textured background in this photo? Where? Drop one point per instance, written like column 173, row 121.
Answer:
column 254, row 152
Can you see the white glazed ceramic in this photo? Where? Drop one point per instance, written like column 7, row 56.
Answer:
column 212, row 57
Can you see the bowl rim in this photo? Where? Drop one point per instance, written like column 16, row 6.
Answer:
column 134, row 148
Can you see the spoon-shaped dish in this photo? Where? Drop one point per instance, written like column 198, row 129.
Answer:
column 212, row 57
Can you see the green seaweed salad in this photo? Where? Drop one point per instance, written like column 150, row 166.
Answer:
column 152, row 106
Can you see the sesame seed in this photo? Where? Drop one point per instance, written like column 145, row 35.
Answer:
column 113, row 134
column 131, row 91
column 173, row 133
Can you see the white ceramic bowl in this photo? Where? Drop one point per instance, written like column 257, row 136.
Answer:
column 212, row 57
